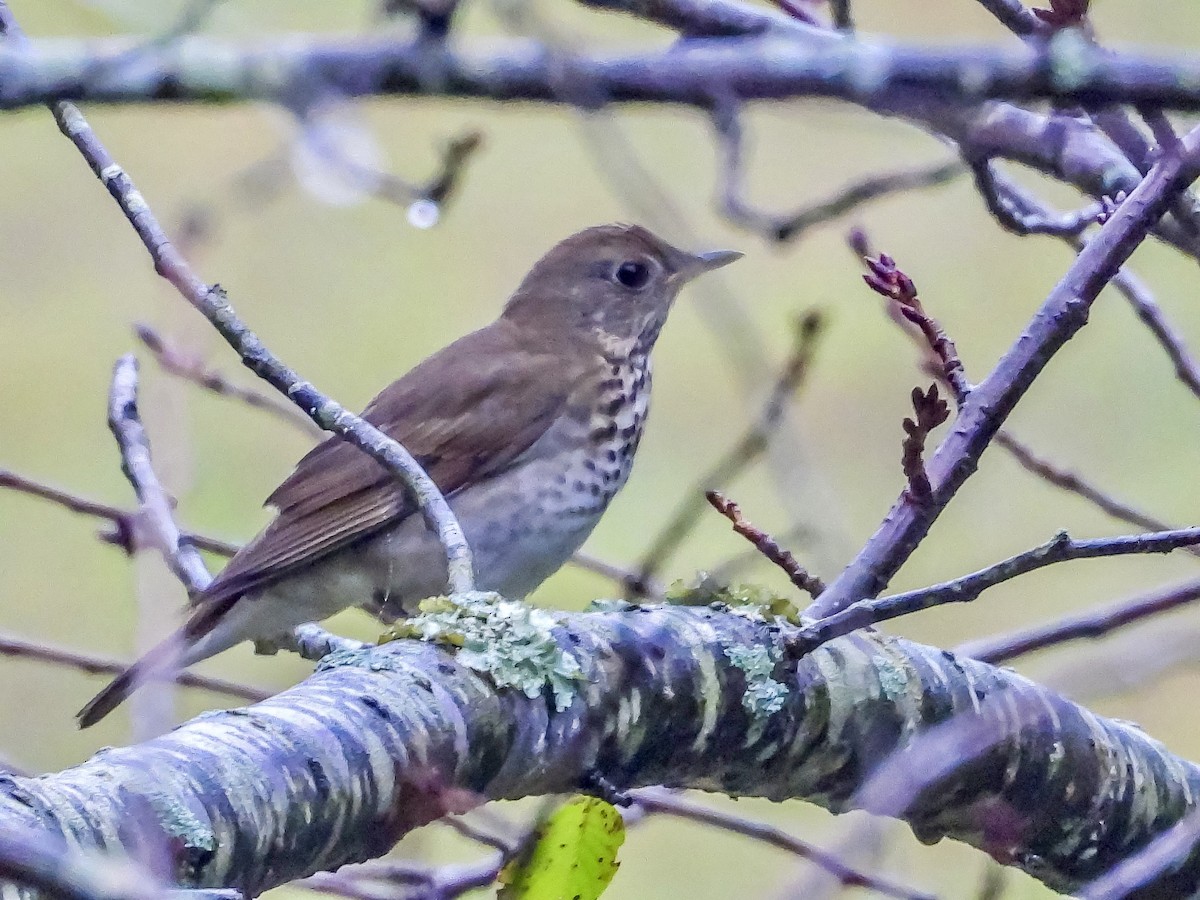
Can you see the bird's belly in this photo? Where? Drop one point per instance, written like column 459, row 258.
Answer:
column 521, row 529
column 521, row 525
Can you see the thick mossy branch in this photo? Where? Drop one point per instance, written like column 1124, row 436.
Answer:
column 336, row 769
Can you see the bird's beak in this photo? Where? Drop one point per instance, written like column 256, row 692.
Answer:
column 714, row 259
column 686, row 266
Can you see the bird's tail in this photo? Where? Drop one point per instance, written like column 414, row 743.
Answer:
column 175, row 652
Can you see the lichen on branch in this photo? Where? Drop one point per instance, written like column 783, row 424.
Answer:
column 338, row 768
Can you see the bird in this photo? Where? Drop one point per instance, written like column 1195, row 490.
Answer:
column 528, row 427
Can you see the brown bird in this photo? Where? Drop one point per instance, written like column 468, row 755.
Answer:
column 528, row 426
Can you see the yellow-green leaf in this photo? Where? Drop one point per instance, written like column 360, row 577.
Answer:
column 574, row 856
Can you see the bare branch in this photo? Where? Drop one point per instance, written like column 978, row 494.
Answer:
column 1091, row 624
column 784, row 227
column 378, row 726
column 124, row 533
column 157, row 508
column 635, row 583
column 1013, row 219
column 311, row 642
column 771, row 67
column 659, row 800
column 1060, row 548
column 1062, row 314
column 842, row 18
column 180, row 363
column 936, row 364
column 1076, row 484
column 766, row 545
column 1147, row 866
column 211, row 302
column 749, row 448
column 46, row 863
column 1135, row 293
column 95, row 664
column 1014, row 15
column 423, row 201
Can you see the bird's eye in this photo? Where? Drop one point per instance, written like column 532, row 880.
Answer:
column 632, row 274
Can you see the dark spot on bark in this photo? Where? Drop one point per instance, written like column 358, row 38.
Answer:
column 320, row 779
column 376, row 707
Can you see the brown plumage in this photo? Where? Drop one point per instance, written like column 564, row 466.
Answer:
column 516, row 423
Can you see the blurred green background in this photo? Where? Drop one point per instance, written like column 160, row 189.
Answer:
column 351, row 295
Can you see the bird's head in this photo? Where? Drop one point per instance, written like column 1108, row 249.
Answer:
column 612, row 282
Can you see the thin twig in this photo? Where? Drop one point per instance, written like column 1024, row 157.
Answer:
column 634, row 583
column 124, row 533
column 936, row 364
column 182, row 364
column 424, row 201
column 843, row 19
column 1187, row 370
column 1022, row 222
column 211, row 302
column 659, row 800
column 746, row 450
column 765, row 544
column 1014, row 15
column 1161, row 127
column 1075, row 483
column 156, row 506
column 930, row 411
column 386, row 880
column 1060, row 548
column 94, row 664
column 785, row 227
column 1147, row 864
column 1090, row 625
column 725, row 571
column 309, row 641
column 886, row 279
column 43, row 862
column 797, row 10
column 1059, row 318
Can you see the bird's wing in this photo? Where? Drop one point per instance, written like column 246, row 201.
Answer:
column 466, row 413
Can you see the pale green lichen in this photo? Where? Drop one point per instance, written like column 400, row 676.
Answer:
column 1072, row 56
column 608, row 605
column 764, row 695
column 181, row 823
column 749, row 600
column 510, row 641
column 893, row 680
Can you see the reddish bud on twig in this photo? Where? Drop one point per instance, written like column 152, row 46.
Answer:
column 1108, row 206
column 931, row 411
column 765, row 544
column 1063, row 13
column 857, row 240
column 887, row 280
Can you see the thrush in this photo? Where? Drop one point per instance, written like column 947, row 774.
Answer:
column 528, row 426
